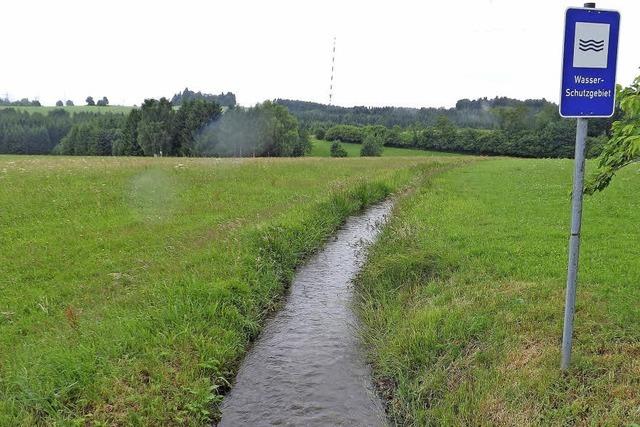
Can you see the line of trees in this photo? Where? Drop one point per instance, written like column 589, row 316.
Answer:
column 36, row 133
column 224, row 99
column 357, row 134
column 104, row 102
column 518, row 133
column 95, row 137
column 155, row 129
column 227, row 99
column 197, row 128
column 466, row 113
column 24, row 102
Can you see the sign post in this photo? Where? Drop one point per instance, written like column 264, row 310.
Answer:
column 588, row 90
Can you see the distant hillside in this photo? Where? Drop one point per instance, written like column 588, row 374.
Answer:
column 467, row 113
column 122, row 109
column 224, row 99
column 24, row 102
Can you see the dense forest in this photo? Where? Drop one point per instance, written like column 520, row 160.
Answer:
column 38, row 133
column 197, row 124
column 467, row 113
column 518, row 132
column 196, row 128
column 155, row 129
column 499, row 126
column 482, row 113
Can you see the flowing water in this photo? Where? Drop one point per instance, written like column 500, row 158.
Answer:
column 307, row 368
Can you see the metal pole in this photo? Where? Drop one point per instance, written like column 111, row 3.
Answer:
column 574, row 239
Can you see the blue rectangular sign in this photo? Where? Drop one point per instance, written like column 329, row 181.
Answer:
column 589, row 63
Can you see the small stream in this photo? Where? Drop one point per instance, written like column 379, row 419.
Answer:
column 307, row 368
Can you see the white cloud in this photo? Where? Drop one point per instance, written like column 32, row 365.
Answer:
column 406, row 53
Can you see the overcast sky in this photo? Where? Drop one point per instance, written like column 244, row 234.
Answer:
column 403, row 53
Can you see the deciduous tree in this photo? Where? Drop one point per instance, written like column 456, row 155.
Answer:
column 623, row 147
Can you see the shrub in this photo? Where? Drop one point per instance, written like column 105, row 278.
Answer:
column 344, row 133
column 337, row 150
column 303, row 145
column 266, row 130
column 371, row 146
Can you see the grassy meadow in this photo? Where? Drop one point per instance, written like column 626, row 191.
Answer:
column 462, row 300
column 322, row 148
column 131, row 287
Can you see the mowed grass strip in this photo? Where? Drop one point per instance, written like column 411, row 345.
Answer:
column 322, row 148
column 131, row 287
column 462, row 300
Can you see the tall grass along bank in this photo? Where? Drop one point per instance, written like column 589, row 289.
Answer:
column 131, row 287
column 462, row 300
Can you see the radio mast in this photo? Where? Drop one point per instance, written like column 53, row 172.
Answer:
column 333, row 62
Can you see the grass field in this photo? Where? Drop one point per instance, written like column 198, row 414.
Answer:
column 122, row 109
column 323, row 149
column 462, row 300
column 131, row 286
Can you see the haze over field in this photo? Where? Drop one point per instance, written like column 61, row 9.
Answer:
column 388, row 53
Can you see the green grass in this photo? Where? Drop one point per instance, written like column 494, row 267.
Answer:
column 122, row 109
column 462, row 300
column 323, row 149
column 131, row 287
